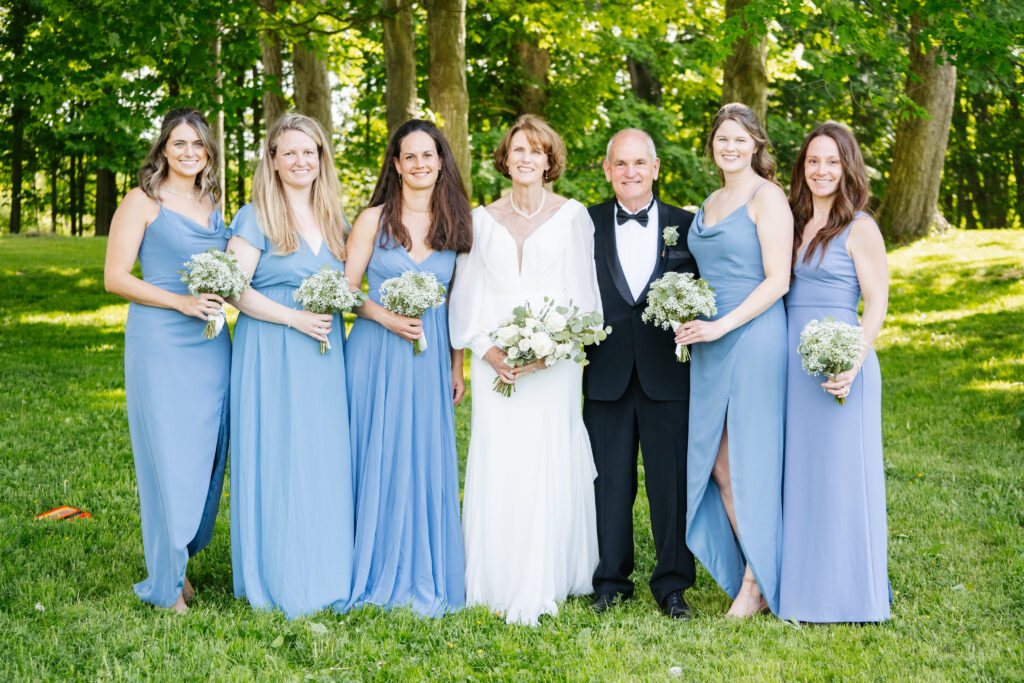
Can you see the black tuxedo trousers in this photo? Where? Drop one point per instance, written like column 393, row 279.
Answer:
column 636, row 398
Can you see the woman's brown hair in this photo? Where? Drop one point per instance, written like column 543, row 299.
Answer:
column 451, row 226
column 761, row 161
column 851, row 195
column 154, row 169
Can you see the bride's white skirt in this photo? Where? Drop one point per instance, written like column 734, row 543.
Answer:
column 528, row 511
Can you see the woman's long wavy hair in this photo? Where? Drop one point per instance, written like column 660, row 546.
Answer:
column 275, row 217
column 851, row 195
column 155, row 168
column 761, row 161
column 451, row 226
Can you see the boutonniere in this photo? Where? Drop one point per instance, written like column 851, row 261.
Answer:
column 670, row 234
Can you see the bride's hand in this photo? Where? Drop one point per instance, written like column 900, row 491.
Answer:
column 531, row 367
column 496, row 357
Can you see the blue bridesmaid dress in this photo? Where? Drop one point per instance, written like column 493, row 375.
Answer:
column 291, row 470
column 834, row 566
column 176, row 390
column 737, row 382
column 408, row 549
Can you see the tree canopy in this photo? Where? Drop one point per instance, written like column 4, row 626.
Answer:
column 84, row 83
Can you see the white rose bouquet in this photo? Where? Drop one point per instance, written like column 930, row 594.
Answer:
column 410, row 295
column 214, row 272
column 551, row 334
column 327, row 292
column 676, row 298
column 828, row 347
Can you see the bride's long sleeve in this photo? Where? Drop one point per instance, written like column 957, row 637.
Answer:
column 580, row 271
column 465, row 319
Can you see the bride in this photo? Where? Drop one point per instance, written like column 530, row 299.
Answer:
column 528, row 513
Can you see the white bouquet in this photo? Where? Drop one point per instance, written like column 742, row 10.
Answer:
column 676, row 298
column 552, row 334
column 327, row 292
column 410, row 295
column 214, row 272
column 829, row 347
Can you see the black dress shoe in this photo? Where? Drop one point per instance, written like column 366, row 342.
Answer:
column 603, row 601
column 675, row 607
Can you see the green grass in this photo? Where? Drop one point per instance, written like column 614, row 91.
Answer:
column 952, row 357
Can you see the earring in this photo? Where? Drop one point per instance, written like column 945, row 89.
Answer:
column 399, row 179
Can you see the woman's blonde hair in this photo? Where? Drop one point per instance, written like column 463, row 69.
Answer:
column 272, row 211
column 154, row 168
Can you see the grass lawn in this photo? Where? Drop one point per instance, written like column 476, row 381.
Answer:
column 952, row 356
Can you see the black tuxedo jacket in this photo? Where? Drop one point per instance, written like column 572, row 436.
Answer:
column 633, row 342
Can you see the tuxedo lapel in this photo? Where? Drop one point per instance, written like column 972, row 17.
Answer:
column 611, row 254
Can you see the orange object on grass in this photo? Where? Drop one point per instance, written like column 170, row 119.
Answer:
column 64, row 512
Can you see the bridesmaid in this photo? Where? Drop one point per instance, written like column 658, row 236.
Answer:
column 175, row 380
column 291, row 471
column 742, row 238
column 408, row 547
column 834, row 565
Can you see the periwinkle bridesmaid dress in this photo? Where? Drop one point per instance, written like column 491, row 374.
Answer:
column 834, row 564
column 738, row 383
column 291, row 470
column 408, row 543
column 176, row 390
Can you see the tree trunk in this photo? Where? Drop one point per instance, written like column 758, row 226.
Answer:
column 645, row 84
column 19, row 115
column 963, row 164
column 446, row 24
column 536, row 63
column 745, row 74
column 106, row 200
column 218, row 121
column 910, row 208
column 273, row 68
column 1017, row 155
column 399, row 63
column 73, row 194
column 312, row 87
column 54, row 170
column 83, row 178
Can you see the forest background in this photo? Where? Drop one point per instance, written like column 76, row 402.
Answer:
column 932, row 88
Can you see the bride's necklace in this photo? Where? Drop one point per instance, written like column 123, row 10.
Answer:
column 527, row 216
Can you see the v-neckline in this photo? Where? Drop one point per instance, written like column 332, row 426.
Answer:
column 209, row 224
column 521, row 252
column 418, row 263
column 316, row 253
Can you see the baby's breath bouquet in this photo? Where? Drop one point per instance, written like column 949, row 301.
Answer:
column 554, row 333
column 410, row 294
column 214, row 272
column 676, row 298
column 327, row 292
column 828, row 347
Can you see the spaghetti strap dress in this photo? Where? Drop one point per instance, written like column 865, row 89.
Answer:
column 176, row 390
column 291, row 470
column 737, row 383
column 408, row 544
column 834, row 565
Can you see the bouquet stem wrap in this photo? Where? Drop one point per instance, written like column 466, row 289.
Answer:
column 682, row 350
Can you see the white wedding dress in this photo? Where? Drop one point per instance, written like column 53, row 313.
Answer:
column 528, row 510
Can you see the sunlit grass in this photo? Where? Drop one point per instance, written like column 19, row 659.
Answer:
column 952, row 356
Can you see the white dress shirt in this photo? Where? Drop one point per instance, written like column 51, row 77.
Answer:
column 637, row 247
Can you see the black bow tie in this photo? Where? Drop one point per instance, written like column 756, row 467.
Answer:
column 622, row 216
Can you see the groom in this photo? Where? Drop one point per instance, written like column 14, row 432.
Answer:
column 637, row 393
